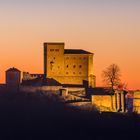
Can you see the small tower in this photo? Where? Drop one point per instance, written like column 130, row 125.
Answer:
column 13, row 79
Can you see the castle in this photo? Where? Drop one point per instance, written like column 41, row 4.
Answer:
column 68, row 66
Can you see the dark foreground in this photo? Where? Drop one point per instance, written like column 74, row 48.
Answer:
column 35, row 116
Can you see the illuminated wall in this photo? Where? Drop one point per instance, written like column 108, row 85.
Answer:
column 108, row 103
column 66, row 67
column 136, row 102
column 54, row 59
column 102, row 102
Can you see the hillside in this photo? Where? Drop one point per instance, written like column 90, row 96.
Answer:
column 44, row 115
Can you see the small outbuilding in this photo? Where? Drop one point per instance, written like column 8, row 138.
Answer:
column 107, row 101
column 13, row 77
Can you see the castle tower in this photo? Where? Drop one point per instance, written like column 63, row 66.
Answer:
column 68, row 66
column 13, row 79
column 54, row 60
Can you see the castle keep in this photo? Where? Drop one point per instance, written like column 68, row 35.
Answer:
column 68, row 66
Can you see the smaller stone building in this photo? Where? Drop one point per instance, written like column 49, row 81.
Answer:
column 41, row 84
column 13, row 77
column 30, row 76
column 104, row 100
column 136, row 101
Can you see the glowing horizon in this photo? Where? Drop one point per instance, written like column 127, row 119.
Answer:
column 108, row 28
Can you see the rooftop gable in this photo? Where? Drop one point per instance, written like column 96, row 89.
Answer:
column 76, row 51
column 12, row 69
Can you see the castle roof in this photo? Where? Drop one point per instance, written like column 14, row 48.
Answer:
column 76, row 51
column 53, row 43
column 12, row 69
column 100, row 91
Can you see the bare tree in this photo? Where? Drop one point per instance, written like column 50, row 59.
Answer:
column 112, row 76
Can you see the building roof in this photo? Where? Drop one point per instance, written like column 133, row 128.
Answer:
column 76, row 51
column 53, row 43
column 100, row 91
column 13, row 69
column 41, row 82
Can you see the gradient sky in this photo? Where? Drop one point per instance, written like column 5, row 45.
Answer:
column 109, row 28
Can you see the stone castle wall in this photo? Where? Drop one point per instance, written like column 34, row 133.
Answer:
column 109, row 103
column 54, row 89
column 136, row 102
column 102, row 102
column 67, row 68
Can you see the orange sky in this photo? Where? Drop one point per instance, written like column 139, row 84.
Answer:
column 108, row 28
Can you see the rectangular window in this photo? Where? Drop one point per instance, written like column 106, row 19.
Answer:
column 51, row 50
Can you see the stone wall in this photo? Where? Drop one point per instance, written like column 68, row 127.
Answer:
column 136, row 102
column 108, row 103
column 102, row 102
column 75, row 89
column 68, row 68
column 54, row 89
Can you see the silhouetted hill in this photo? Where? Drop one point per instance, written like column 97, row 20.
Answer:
column 43, row 115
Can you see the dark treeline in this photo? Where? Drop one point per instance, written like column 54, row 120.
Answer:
column 38, row 115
